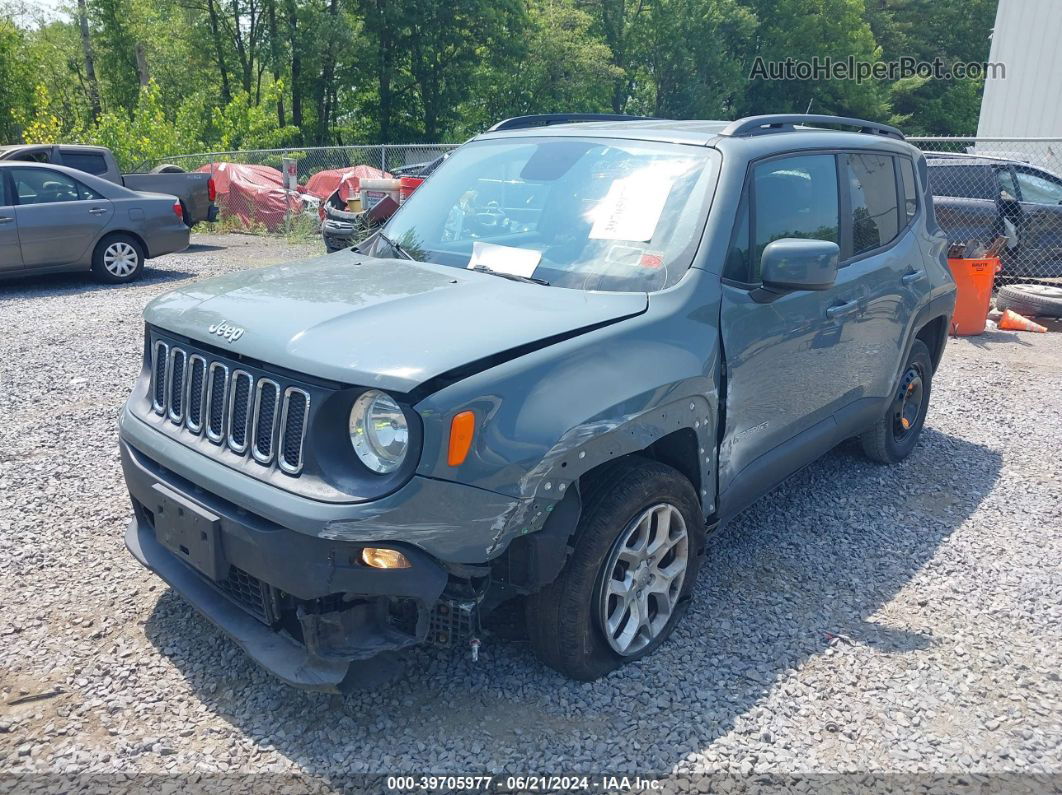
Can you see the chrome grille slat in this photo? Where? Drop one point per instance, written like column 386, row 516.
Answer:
column 217, row 397
column 293, row 430
column 193, row 394
column 257, row 417
column 160, row 357
column 264, row 426
column 175, row 385
column 240, row 404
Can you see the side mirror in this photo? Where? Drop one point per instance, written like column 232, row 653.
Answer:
column 797, row 264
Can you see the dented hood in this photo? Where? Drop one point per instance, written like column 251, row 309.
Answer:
column 389, row 323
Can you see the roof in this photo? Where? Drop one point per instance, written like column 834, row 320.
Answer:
column 757, row 134
column 685, row 132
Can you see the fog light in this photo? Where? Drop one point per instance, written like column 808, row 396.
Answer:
column 380, row 558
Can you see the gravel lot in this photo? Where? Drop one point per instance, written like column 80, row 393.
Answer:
column 858, row 619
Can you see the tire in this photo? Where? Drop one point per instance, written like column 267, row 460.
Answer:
column 894, row 436
column 118, row 258
column 566, row 620
column 167, row 168
column 1034, row 300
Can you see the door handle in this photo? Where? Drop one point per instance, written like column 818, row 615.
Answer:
column 6, row 219
column 97, row 211
column 840, row 310
column 912, row 277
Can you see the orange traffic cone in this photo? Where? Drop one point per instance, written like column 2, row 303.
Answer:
column 1012, row 321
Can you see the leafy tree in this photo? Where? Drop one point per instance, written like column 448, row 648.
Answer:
column 15, row 84
column 562, row 66
column 802, row 30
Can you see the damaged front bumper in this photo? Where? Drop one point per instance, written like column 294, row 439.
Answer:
column 300, row 602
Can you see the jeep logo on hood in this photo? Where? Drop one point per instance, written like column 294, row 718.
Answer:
column 226, row 330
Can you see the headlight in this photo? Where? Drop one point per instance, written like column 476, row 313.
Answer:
column 379, row 432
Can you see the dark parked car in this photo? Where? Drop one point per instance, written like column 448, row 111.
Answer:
column 54, row 218
column 195, row 191
column 980, row 198
column 572, row 353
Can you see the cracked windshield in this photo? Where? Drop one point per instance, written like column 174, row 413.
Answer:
column 591, row 215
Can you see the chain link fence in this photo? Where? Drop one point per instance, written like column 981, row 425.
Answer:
column 985, row 188
column 990, row 188
column 281, row 190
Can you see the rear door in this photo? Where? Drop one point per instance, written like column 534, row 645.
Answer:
column 789, row 361
column 882, row 260
column 58, row 218
column 10, row 255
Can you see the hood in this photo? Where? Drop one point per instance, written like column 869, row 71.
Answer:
column 388, row 323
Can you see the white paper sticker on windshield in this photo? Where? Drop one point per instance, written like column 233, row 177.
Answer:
column 504, row 259
column 632, row 208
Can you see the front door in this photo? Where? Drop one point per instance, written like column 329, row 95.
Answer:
column 58, row 217
column 1041, row 203
column 10, row 255
column 789, row 359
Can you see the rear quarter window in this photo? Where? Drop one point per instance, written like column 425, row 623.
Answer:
column 963, row 182
column 89, row 162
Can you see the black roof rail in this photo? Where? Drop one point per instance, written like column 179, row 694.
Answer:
column 779, row 122
column 546, row 119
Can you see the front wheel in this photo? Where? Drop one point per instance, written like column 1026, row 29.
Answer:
column 629, row 579
column 892, row 438
column 118, row 259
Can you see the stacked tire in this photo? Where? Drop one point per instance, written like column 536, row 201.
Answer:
column 1031, row 300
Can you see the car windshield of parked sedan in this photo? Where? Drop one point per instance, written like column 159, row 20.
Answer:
column 590, row 214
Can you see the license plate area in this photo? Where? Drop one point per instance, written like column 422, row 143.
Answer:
column 190, row 532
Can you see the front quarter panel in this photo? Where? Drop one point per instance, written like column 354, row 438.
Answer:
column 546, row 418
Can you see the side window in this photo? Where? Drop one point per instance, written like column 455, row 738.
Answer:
column 910, row 189
column 963, row 182
column 85, row 193
column 1006, row 182
column 89, row 162
column 737, row 265
column 44, row 186
column 874, row 206
column 794, row 197
column 1038, row 189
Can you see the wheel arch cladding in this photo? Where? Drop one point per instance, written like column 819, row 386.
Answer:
column 545, row 419
column 935, row 336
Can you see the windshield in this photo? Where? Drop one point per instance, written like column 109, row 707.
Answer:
column 573, row 212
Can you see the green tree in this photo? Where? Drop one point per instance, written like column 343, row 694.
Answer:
column 802, row 30
column 16, row 92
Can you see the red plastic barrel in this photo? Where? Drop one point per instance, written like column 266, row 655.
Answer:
column 406, row 187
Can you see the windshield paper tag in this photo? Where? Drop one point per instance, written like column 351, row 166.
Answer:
column 504, row 259
column 632, row 208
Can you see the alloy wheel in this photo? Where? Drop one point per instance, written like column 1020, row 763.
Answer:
column 643, row 579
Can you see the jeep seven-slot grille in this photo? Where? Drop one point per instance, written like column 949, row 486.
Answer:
column 231, row 408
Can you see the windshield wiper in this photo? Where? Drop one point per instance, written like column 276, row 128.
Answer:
column 394, row 244
column 512, row 276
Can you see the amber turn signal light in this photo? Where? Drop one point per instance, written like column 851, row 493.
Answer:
column 381, row 558
column 462, row 429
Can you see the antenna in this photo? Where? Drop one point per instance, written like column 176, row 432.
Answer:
column 810, row 101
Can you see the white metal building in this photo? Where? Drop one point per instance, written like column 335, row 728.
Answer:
column 1028, row 101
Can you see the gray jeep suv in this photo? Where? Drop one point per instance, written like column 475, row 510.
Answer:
column 575, row 350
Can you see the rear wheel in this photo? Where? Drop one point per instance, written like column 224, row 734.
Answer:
column 894, row 436
column 117, row 259
column 629, row 579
